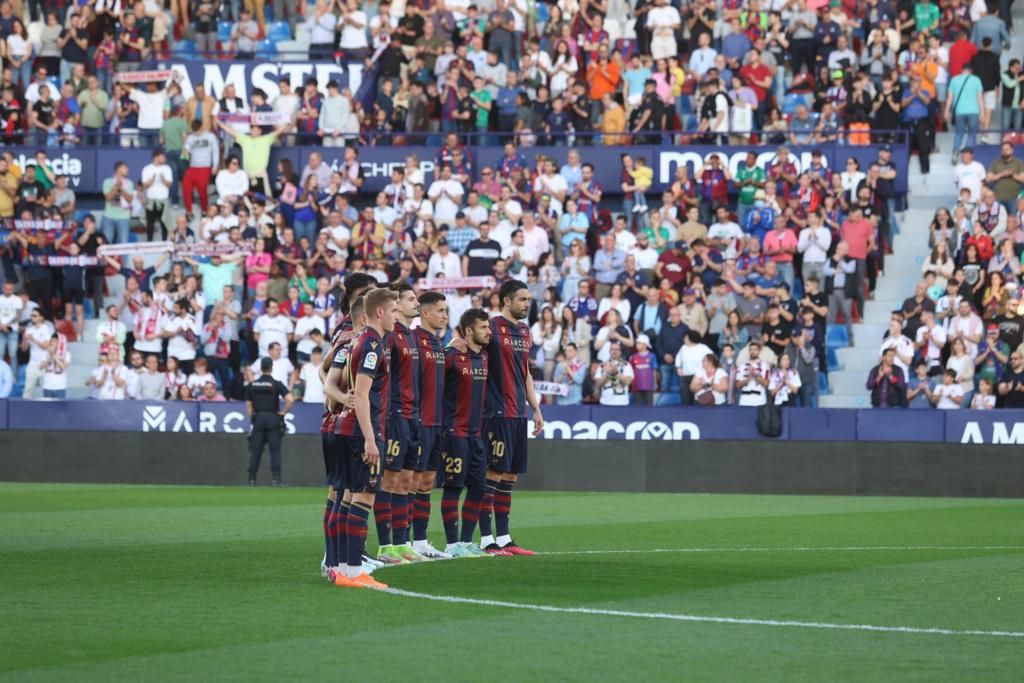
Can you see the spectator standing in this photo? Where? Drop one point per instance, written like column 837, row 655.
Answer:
column 202, row 151
column 118, row 191
column 614, row 377
column 645, row 372
column 156, row 181
column 887, row 383
column 36, row 338
column 10, row 313
column 964, row 108
column 1006, row 175
column 1011, row 384
column 245, row 35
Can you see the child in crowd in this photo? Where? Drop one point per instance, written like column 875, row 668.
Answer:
column 643, row 177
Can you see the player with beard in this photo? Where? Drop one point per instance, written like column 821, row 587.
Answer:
column 463, row 457
column 335, row 515
column 433, row 323
column 509, row 391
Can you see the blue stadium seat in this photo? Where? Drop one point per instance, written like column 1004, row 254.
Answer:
column 278, row 31
column 224, row 31
column 266, row 50
column 185, row 49
column 833, row 358
column 836, row 337
column 792, row 101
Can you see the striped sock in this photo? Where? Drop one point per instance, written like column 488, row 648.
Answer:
column 503, row 506
column 471, row 513
column 450, row 514
column 330, row 525
column 400, row 518
column 341, row 538
column 358, row 518
column 382, row 516
column 486, row 506
column 420, row 516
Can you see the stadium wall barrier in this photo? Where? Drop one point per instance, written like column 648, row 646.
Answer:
column 562, row 423
column 656, row 466
column 88, row 167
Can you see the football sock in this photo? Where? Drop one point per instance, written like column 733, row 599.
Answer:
column 450, row 514
column 400, row 518
column 358, row 518
column 330, row 526
column 502, row 506
column 420, row 515
column 471, row 512
column 341, row 537
column 485, row 510
column 382, row 516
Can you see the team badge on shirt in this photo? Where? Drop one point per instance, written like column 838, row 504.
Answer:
column 370, row 362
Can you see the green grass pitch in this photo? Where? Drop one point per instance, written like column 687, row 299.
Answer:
column 160, row 583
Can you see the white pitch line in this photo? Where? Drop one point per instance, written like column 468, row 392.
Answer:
column 706, row 619
column 881, row 548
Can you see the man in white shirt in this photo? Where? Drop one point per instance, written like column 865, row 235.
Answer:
column 286, row 103
column 37, row 338
column 752, row 378
column 218, row 228
column 353, row 30
column 282, row 370
column 313, row 391
column 272, row 327
column 901, row 343
column 148, row 320
column 446, row 194
column 232, row 182
column 646, row 256
column 182, row 331
column 551, row 184
column 725, row 234
column 151, row 103
column 157, row 179
column 663, row 21
column 443, row 263
column 304, row 329
column 814, row 243
column 614, row 377
column 969, row 174
column 966, row 325
column 338, row 235
column 689, row 361
column 110, row 379
column 10, row 310
column 930, row 340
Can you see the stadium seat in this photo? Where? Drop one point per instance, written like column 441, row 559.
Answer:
column 279, row 31
column 833, row 358
column 224, row 31
column 266, row 50
column 792, row 101
column 822, row 383
column 185, row 49
column 836, row 337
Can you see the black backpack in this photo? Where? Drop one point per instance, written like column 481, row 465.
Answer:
column 769, row 420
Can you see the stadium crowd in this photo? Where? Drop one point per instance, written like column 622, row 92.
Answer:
column 957, row 342
column 719, row 290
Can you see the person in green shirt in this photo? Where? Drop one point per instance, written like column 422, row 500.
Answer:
column 483, row 100
column 926, row 16
column 657, row 233
column 117, row 191
column 172, row 140
column 216, row 274
column 44, row 171
column 94, row 104
column 964, row 107
column 749, row 178
column 256, row 150
column 304, row 283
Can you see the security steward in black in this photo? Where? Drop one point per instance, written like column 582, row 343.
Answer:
column 262, row 400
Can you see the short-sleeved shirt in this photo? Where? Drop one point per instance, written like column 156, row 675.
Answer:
column 119, row 209
column 255, row 153
column 964, row 90
column 265, row 392
column 369, row 357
